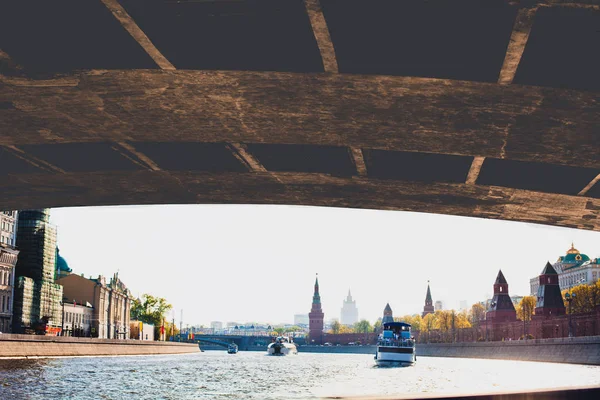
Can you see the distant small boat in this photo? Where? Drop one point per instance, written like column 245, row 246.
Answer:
column 282, row 346
column 396, row 346
column 232, row 349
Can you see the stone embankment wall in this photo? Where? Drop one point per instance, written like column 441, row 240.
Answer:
column 53, row 346
column 580, row 350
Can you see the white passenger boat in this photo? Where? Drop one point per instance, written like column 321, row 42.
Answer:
column 396, row 346
column 282, row 346
column 232, row 349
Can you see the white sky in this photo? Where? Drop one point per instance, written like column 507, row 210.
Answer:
column 248, row 263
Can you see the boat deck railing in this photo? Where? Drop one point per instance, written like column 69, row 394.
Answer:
column 396, row 343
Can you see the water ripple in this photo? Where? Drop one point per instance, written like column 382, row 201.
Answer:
column 249, row 375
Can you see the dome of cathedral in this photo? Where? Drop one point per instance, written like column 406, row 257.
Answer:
column 573, row 256
column 61, row 264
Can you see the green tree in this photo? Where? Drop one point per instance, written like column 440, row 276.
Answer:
column 526, row 308
column 335, row 327
column 150, row 310
column 377, row 325
column 363, row 326
column 294, row 328
column 279, row 331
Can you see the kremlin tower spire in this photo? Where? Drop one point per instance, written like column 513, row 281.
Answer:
column 428, row 309
column 316, row 317
column 502, row 308
column 388, row 315
column 549, row 298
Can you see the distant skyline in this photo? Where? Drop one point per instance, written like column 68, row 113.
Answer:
column 247, row 263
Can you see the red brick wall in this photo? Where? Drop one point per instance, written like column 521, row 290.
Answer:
column 540, row 328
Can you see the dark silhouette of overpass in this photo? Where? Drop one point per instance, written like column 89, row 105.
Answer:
column 484, row 109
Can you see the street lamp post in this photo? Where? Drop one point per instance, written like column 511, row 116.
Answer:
column 62, row 325
column 492, row 304
column 570, row 298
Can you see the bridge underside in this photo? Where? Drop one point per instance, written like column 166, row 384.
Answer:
column 454, row 109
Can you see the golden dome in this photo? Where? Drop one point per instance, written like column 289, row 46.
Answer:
column 572, row 250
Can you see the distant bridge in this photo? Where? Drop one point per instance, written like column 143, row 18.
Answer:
column 225, row 340
column 213, row 341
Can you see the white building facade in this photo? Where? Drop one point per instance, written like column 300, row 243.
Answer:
column 77, row 319
column 574, row 268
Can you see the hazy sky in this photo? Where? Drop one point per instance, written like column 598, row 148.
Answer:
column 258, row 263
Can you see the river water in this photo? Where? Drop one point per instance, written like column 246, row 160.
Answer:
column 254, row 375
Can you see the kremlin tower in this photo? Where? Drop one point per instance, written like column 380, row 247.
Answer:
column 388, row 316
column 316, row 318
column 428, row 309
column 502, row 308
column 549, row 298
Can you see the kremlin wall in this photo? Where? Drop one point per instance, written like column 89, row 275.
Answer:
column 551, row 335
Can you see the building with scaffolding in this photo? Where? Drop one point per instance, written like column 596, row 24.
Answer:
column 37, row 299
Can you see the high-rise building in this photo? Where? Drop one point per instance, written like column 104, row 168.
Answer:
column 428, row 308
column 316, row 318
column 37, row 300
column 439, row 306
column 301, row 319
column 349, row 314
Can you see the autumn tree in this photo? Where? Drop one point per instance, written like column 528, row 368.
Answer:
column 428, row 324
column 477, row 313
column 587, row 298
column 526, row 308
column 462, row 320
column 278, row 331
column 335, row 327
column 414, row 320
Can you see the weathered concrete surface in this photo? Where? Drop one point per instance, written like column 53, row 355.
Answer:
column 53, row 346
